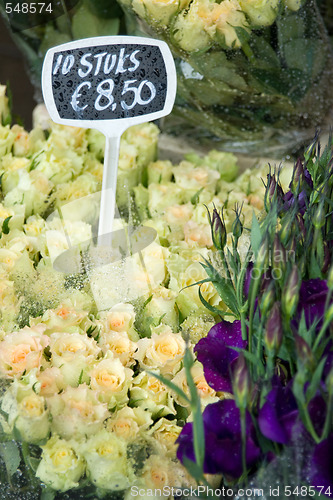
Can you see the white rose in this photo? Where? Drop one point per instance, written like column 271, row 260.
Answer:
column 128, row 422
column 166, row 433
column 148, row 393
column 107, row 463
column 61, row 467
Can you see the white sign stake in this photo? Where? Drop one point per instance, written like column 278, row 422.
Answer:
column 109, row 84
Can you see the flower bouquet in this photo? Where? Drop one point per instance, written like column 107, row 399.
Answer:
column 247, row 70
column 82, row 411
column 272, row 433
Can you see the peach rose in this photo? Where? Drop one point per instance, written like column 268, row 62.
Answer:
column 22, row 351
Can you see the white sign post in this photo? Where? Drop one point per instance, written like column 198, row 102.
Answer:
column 109, row 84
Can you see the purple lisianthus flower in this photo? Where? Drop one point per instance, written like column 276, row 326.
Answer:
column 312, row 299
column 321, row 466
column 216, row 354
column 279, row 418
column 278, row 415
column 223, row 440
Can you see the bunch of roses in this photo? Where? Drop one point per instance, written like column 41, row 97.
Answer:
column 194, row 25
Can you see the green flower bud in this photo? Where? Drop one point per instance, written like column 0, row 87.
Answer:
column 237, row 227
column 274, row 331
column 241, row 381
column 319, row 216
column 267, row 300
column 287, row 229
column 290, row 293
column 219, row 233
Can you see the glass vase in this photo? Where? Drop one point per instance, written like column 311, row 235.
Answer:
column 254, row 82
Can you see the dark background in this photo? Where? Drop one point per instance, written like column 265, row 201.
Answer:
column 12, row 70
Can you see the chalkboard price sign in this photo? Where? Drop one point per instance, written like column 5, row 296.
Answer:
column 128, row 79
column 109, row 83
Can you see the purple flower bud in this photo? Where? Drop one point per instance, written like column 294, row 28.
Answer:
column 219, row 233
column 303, row 350
column 274, row 331
column 290, row 293
column 241, row 381
column 279, row 258
column 301, row 227
column 298, row 177
column 261, row 261
column 327, row 258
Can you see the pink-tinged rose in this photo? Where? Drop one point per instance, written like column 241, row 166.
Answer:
column 22, row 351
column 51, row 381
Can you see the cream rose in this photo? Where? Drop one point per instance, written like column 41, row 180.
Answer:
column 164, row 350
column 206, row 393
column 120, row 318
column 111, row 380
column 128, row 422
column 120, row 346
column 61, row 467
column 73, row 354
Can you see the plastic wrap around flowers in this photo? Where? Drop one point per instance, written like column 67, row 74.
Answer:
column 247, row 69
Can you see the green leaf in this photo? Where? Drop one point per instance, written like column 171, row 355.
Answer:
column 195, row 197
column 256, row 235
column 211, row 308
column 85, row 24
column 5, row 225
column 194, row 469
column 315, row 381
column 48, row 494
column 198, row 427
column 10, row 454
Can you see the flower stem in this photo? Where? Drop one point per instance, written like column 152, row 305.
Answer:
column 243, row 430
